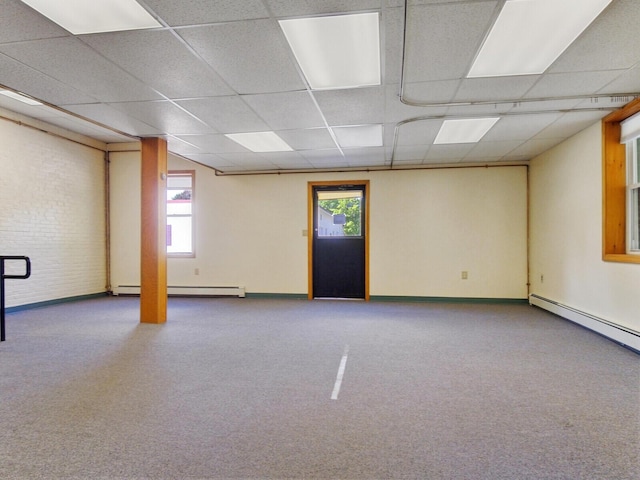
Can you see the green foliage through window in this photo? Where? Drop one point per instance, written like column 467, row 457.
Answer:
column 350, row 207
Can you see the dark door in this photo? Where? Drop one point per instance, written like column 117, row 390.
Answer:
column 339, row 247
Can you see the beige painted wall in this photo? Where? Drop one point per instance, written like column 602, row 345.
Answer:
column 427, row 226
column 566, row 234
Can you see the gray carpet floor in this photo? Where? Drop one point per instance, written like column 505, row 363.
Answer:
column 242, row 388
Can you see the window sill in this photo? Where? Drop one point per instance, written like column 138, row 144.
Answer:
column 621, row 258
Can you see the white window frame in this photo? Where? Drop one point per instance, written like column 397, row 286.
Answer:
column 633, row 191
column 192, row 175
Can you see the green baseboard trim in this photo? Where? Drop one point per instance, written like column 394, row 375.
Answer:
column 393, row 298
column 56, row 301
column 290, row 296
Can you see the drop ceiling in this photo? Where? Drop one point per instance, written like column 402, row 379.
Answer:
column 219, row 67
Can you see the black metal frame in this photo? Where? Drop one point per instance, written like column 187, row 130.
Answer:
column 2, row 278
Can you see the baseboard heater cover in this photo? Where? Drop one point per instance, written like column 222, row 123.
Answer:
column 619, row 334
column 187, row 291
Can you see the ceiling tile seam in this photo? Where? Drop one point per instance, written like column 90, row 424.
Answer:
column 44, row 74
column 70, row 113
column 153, row 13
column 79, row 39
column 226, row 83
column 201, row 60
column 162, row 95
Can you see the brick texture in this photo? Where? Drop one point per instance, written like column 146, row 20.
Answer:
column 52, row 209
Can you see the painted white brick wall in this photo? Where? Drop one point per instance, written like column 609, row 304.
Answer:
column 52, row 209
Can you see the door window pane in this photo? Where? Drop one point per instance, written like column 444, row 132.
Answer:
column 340, row 213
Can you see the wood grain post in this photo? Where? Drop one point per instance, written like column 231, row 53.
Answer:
column 153, row 268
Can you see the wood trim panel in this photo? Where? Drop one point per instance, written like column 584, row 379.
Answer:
column 614, row 172
column 153, row 253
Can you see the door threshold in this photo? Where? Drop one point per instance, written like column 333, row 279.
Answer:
column 340, row 298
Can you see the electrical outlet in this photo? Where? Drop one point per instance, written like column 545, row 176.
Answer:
column 541, row 278
column 196, row 271
column 465, row 275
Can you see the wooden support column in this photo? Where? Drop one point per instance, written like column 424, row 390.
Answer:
column 153, row 268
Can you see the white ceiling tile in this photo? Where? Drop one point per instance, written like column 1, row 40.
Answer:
column 27, row 80
column 160, row 60
column 19, row 22
column 352, row 106
column 195, row 12
column 246, row 158
column 287, row 160
column 287, row 8
column 327, row 158
column 282, row 157
column 495, row 88
column 307, row 139
column 419, row 132
column 286, row 110
column 225, row 114
column 610, row 43
column 442, row 39
column 393, row 23
column 412, row 153
column 627, row 82
column 555, row 85
column 439, row 91
column 532, row 148
column 213, row 143
column 496, row 150
column 251, row 56
column 569, row 124
column 368, row 156
column 90, row 74
column 520, row 127
column 164, row 116
column 62, row 119
column 110, row 116
column 181, row 147
column 85, row 128
column 448, row 153
column 213, row 161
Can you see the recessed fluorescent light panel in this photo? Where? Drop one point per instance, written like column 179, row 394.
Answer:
column 260, row 142
column 20, row 97
column 337, row 51
column 469, row 130
column 95, row 16
column 529, row 35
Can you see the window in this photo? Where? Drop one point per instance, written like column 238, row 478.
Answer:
column 340, row 213
column 620, row 187
column 180, row 196
column 633, row 194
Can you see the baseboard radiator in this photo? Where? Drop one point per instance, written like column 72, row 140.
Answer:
column 619, row 334
column 186, row 291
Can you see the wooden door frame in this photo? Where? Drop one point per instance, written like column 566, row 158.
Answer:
column 311, row 233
